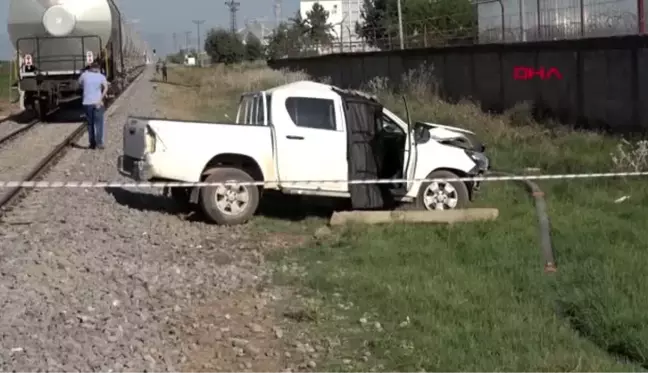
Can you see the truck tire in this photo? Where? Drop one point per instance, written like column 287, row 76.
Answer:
column 229, row 205
column 450, row 195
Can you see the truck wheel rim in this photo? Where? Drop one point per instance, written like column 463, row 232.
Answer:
column 440, row 196
column 232, row 199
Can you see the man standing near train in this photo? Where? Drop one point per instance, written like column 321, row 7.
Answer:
column 95, row 88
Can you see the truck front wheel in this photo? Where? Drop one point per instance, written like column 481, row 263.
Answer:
column 442, row 195
column 229, row 204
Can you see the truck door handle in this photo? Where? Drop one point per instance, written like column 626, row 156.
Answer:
column 289, row 137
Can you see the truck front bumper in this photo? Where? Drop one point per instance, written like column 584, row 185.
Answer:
column 137, row 169
column 482, row 166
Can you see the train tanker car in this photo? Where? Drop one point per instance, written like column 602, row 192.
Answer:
column 59, row 38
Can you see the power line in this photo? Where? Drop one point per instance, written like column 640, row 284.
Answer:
column 233, row 9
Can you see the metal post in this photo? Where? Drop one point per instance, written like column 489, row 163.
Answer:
column 187, row 41
column 198, row 47
column 233, row 8
column 11, row 76
column 641, row 16
column 400, row 25
column 539, row 21
column 522, row 20
column 582, row 18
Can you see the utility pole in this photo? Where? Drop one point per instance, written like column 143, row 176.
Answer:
column 233, row 9
column 277, row 12
column 198, row 46
column 188, row 41
column 400, row 25
column 175, row 42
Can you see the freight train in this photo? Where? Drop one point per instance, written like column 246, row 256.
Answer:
column 58, row 39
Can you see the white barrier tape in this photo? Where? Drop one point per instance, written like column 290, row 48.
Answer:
column 144, row 184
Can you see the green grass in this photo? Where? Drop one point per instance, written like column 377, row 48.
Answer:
column 5, row 72
column 475, row 294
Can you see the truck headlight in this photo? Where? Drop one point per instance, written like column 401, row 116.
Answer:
column 480, row 159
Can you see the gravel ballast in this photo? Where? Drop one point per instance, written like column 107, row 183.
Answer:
column 95, row 279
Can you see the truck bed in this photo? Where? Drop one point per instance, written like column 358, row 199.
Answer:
column 184, row 148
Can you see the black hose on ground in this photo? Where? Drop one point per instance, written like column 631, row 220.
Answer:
column 543, row 221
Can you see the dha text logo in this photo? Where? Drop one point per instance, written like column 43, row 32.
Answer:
column 528, row 73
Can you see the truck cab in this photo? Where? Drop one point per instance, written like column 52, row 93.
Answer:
column 306, row 138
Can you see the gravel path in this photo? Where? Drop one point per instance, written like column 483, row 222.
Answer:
column 22, row 154
column 100, row 279
column 9, row 126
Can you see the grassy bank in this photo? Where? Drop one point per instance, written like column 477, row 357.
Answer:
column 471, row 297
column 5, row 90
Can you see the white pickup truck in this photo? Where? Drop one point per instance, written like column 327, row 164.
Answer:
column 304, row 131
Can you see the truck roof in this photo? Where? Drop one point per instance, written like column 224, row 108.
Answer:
column 302, row 85
column 305, row 86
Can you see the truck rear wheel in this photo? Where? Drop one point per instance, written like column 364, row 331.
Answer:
column 229, row 204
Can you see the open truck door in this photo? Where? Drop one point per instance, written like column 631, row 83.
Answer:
column 365, row 155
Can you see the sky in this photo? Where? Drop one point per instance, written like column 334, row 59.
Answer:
column 159, row 19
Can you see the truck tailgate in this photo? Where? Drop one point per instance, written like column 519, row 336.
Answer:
column 135, row 137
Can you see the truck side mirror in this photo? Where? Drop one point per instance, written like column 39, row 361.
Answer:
column 421, row 134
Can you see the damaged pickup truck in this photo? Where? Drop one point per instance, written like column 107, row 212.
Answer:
column 305, row 131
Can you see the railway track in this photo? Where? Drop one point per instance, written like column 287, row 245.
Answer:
column 48, row 140
column 18, row 130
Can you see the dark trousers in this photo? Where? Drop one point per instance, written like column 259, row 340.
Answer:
column 95, row 121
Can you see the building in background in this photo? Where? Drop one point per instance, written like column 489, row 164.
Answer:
column 528, row 20
column 352, row 10
column 343, row 16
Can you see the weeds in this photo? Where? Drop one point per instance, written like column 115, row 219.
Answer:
column 631, row 157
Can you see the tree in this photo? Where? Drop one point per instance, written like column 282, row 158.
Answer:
column 278, row 41
column 425, row 22
column 253, row 47
column 288, row 39
column 223, row 46
column 179, row 57
column 318, row 30
column 374, row 28
column 301, row 37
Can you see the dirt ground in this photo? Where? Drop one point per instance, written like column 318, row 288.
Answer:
column 7, row 109
column 247, row 330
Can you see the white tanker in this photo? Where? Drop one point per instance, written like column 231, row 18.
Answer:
column 59, row 38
